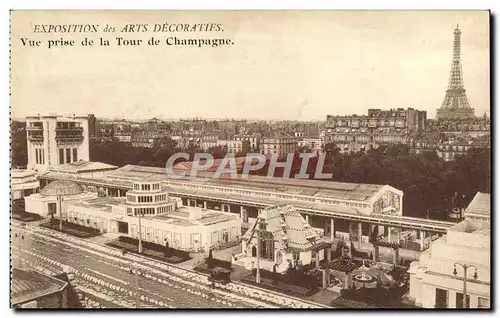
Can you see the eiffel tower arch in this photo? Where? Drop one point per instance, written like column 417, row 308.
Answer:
column 455, row 104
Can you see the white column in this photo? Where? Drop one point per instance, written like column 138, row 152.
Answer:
column 332, row 229
column 307, row 219
column 423, row 236
column 242, row 211
column 452, row 299
column 389, row 233
column 474, row 301
column 205, row 204
column 360, row 233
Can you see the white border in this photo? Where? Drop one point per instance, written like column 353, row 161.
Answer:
column 192, row 5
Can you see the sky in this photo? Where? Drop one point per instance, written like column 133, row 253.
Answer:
column 295, row 65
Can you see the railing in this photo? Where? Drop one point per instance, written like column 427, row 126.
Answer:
column 69, row 138
column 35, row 137
column 34, row 128
column 64, row 129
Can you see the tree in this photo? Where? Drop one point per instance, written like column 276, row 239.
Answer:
column 19, row 148
column 304, row 149
column 217, row 152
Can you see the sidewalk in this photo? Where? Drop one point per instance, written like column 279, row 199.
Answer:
column 104, row 238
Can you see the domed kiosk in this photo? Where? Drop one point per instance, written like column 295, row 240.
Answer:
column 60, row 189
column 48, row 202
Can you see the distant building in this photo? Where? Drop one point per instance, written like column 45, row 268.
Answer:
column 234, row 146
column 448, row 150
column 209, row 140
column 461, row 128
column 280, row 146
column 55, row 140
column 315, row 144
column 32, row 289
column 123, row 136
column 253, row 139
column 152, row 125
column 380, row 127
column 106, row 130
column 191, row 138
column 437, row 279
column 141, row 139
column 93, row 126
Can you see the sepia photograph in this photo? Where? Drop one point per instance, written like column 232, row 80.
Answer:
column 250, row 160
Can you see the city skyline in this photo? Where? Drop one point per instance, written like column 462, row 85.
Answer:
column 314, row 66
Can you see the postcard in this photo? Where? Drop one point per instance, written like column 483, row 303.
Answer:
column 250, row 159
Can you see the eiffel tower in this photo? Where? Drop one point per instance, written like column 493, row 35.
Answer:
column 455, row 104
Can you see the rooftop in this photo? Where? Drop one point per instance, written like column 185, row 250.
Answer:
column 184, row 216
column 28, row 285
column 101, row 203
column 59, row 117
column 480, row 205
column 21, row 173
column 327, row 189
column 188, row 165
column 83, row 166
column 472, row 226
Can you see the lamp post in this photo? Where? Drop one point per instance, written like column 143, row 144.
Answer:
column 59, row 199
column 257, row 275
column 140, row 234
column 465, row 267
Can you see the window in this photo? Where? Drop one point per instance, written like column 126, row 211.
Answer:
column 460, row 300
column 61, row 156
column 483, row 302
column 75, row 154
column 43, row 156
column 441, row 298
column 68, row 155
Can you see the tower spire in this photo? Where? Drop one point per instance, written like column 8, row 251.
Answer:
column 455, row 103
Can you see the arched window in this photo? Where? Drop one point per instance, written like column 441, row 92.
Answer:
column 254, row 251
